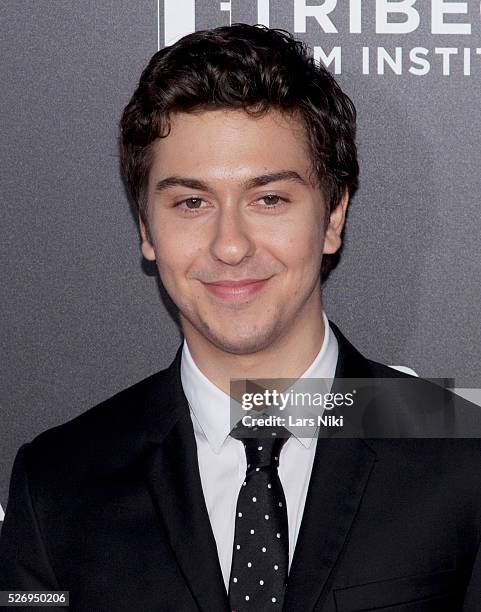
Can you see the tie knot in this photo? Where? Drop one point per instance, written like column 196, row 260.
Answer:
column 262, row 446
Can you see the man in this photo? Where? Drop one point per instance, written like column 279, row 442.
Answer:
column 239, row 152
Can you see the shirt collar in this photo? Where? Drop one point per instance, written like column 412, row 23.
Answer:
column 211, row 406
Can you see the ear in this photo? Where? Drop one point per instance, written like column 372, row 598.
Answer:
column 147, row 248
column 332, row 238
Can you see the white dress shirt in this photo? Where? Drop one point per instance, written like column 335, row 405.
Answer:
column 222, row 460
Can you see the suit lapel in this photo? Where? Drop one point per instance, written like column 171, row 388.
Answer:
column 174, row 482
column 339, row 477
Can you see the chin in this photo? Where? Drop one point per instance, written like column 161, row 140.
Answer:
column 253, row 341
column 236, row 334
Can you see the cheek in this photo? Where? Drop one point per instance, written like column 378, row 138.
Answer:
column 170, row 255
column 176, row 258
column 301, row 246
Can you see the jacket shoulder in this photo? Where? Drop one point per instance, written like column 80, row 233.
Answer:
column 104, row 437
column 119, row 410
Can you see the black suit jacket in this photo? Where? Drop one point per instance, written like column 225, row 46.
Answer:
column 109, row 506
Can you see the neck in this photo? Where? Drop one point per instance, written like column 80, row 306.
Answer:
column 288, row 357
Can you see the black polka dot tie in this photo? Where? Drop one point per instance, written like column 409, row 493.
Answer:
column 260, row 553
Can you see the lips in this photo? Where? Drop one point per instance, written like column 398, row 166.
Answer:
column 236, row 290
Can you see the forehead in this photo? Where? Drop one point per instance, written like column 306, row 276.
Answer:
column 218, row 143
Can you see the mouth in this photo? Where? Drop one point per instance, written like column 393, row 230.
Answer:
column 236, row 290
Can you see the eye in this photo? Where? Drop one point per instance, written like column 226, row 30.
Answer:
column 192, row 202
column 191, row 205
column 272, row 200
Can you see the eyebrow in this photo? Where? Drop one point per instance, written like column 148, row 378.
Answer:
column 258, row 181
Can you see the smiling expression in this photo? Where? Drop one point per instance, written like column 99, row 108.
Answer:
column 236, row 226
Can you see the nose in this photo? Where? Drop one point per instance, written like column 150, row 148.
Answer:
column 232, row 241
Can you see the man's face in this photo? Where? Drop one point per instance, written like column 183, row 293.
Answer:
column 236, row 227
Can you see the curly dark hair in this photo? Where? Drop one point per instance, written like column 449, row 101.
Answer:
column 247, row 67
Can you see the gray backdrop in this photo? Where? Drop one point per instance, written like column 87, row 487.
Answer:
column 83, row 318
